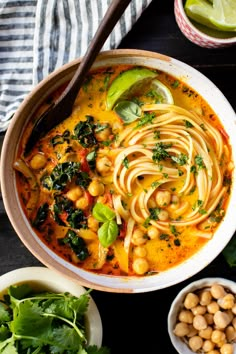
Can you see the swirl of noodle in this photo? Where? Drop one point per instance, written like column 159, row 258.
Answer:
column 199, row 140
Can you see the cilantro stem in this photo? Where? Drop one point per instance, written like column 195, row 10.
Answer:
column 67, row 321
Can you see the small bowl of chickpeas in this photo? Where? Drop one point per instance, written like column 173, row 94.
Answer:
column 202, row 317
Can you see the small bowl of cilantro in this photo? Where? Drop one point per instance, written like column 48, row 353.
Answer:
column 43, row 312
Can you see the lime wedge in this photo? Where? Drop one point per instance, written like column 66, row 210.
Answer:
column 220, row 15
column 163, row 91
column 125, row 82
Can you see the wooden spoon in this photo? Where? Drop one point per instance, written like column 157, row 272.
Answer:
column 62, row 108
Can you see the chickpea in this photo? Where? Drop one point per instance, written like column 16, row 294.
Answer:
column 38, row 161
column 140, row 266
column 138, row 237
column 103, row 134
column 226, row 302
column 151, row 203
column 217, row 336
column 215, row 351
column 103, row 165
column 208, row 345
column 199, row 310
column 199, row 322
column 213, row 307
column 192, row 331
column 163, row 215
column 191, row 300
column 186, row 316
column 174, row 199
column 163, row 198
column 195, row 343
column 174, row 203
column 230, row 333
column 140, row 251
column 206, row 333
column 82, row 203
column 205, row 298
column 219, row 345
column 231, row 315
column 93, row 224
column 209, row 318
column 181, row 329
column 74, row 193
column 153, row 232
column 234, row 309
column 221, row 319
column 217, row 291
column 96, row 188
column 234, row 323
column 227, row 348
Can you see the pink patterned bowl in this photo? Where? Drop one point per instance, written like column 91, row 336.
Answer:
column 194, row 34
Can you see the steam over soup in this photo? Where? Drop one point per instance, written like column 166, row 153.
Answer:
column 135, row 181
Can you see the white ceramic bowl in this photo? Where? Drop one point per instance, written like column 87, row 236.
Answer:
column 44, row 279
column 123, row 284
column 177, row 304
column 194, row 34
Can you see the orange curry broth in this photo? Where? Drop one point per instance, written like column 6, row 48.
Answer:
column 161, row 254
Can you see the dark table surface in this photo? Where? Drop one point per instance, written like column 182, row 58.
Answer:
column 137, row 323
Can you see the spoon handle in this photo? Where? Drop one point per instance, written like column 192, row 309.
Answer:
column 106, row 26
column 62, row 107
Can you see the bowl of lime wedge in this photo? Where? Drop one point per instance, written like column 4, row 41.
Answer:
column 207, row 23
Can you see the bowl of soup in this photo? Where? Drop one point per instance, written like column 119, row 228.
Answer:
column 134, row 191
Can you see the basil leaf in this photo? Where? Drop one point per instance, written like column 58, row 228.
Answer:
column 102, row 213
column 108, row 233
column 128, row 111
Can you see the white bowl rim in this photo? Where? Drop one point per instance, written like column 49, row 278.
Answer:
column 177, row 303
column 229, row 40
column 55, row 282
column 185, row 269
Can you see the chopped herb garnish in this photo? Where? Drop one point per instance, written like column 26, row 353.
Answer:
column 60, row 139
column 188, row 124
column 175, row 84
column 125, row 162
column 203, row 127
column 160, row 153
column 156, row 134
column 192, row 190
column 181, row 159
column 177, row 242
column 173, row 230
column 165, row 237
column 147, row 118
column 199, row 162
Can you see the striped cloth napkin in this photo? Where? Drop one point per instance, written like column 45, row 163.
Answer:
column 38, row 36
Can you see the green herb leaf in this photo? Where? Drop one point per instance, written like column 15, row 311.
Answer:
column 128, row 111
column 229, row 252
column 93, row 349
column 103, row 213
column 4, row 314
column 108, row 233
column 85, row 132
